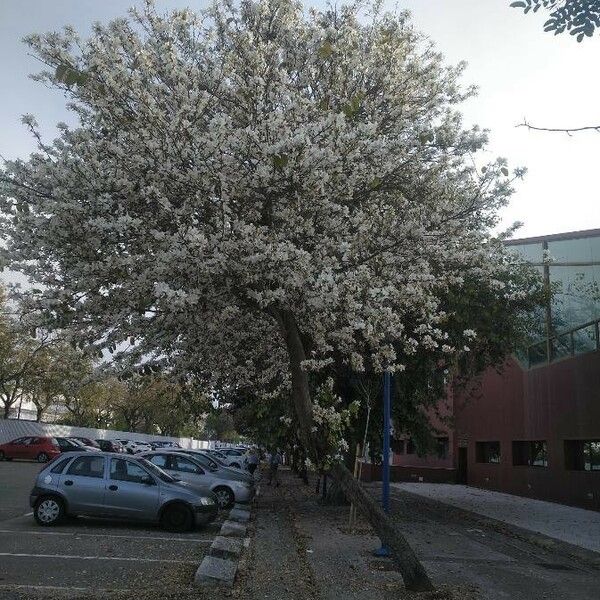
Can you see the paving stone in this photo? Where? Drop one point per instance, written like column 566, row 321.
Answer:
column 222, row 546
column 214, row 570
column 233, row 529
column 243, row 516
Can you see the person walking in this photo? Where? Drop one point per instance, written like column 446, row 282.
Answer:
column 274, row 463
column 253, row 460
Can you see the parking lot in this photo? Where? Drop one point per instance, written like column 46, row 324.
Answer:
column 86, row 556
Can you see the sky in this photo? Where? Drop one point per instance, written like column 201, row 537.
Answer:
column 521, row 72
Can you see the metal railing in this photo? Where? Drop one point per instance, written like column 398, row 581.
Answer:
column 579, row 340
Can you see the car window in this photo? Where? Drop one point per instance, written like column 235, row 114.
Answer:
column 179, row 463
column 206, row 461
column 124, row 470
column 25, row 440
column 59, row 467
column 160, row 460
column 87, row 466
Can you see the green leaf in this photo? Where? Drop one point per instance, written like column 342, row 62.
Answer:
column 61, row 71
column 323, row 104
column 375, row 183
column 280, row 161
column 325, row 50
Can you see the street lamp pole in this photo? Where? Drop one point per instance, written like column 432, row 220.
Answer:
column 385, row 500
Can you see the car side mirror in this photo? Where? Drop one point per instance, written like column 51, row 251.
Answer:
column 147, row 480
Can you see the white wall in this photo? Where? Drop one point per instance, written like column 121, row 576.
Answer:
column 14, row 428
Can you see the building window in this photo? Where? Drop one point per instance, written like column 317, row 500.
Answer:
column 487, row 452
column 530, row 454
column 442, row 447
column 582, row 455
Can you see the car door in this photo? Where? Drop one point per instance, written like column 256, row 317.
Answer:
column 14, row 448
column 83, row 484
column 131, row 491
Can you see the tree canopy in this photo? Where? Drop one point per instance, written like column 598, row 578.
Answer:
column 255, row 193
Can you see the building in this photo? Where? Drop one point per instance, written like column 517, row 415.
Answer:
column 533, row 429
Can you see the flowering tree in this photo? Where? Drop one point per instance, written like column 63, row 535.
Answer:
column 253, row 191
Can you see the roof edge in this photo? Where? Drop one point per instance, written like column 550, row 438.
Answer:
column 569, row 235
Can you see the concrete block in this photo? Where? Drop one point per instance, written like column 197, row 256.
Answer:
column 233, row 529
column 225, row 547
column 242, row 516
column 213, row 571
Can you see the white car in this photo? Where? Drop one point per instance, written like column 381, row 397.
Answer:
column 232, row 457
column 133, row 447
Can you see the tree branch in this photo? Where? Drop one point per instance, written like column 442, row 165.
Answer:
column 568, row 131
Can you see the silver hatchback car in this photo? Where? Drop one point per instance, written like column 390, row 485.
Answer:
column 103, row 484
column 234, row 488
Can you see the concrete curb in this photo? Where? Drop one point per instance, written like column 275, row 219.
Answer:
column 221, row 564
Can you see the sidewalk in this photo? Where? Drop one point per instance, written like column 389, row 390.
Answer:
column 304, row 551
column 301, row 550
column 568, row 524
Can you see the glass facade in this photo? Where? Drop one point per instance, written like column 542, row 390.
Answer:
column 570, row 264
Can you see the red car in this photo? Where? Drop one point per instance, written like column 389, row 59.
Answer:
column 41, row 449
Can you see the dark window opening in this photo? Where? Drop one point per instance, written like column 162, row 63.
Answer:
column 487, row 452
column 410, row 447
column 582, row 455
column 442, row 447
column 530, row 454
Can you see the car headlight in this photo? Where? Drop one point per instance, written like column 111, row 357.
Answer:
column 206, row 501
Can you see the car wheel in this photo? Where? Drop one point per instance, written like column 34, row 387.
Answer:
column 2, row 455
column 225, row 497
column 177, row 518
column 42, row 457
column 235, row 465
column 48, row 510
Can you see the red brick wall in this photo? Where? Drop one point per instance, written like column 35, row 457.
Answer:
column 553, row 403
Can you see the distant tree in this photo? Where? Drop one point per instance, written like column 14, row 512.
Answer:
column 220, row 426
column 579, row 17
column 19, row 347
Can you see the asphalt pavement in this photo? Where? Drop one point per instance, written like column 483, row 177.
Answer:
column 85, row 556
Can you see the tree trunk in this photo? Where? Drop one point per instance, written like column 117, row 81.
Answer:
column 6, row 410
column 39, row 412
column 413, row 573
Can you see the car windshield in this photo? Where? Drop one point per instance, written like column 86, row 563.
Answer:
column 157, row 471
column 76, row 442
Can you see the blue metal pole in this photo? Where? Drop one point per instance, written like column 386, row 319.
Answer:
column 385, row 500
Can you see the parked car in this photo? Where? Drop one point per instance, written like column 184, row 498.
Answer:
column 121, row 487
column 231, row 461
column 86, row 441
column 228, row 490
column 133, row 447
column 84, row 446
column 37, row 448
column 110, row 446
column 73, row 445
column 164, row 444
column 215, row 464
